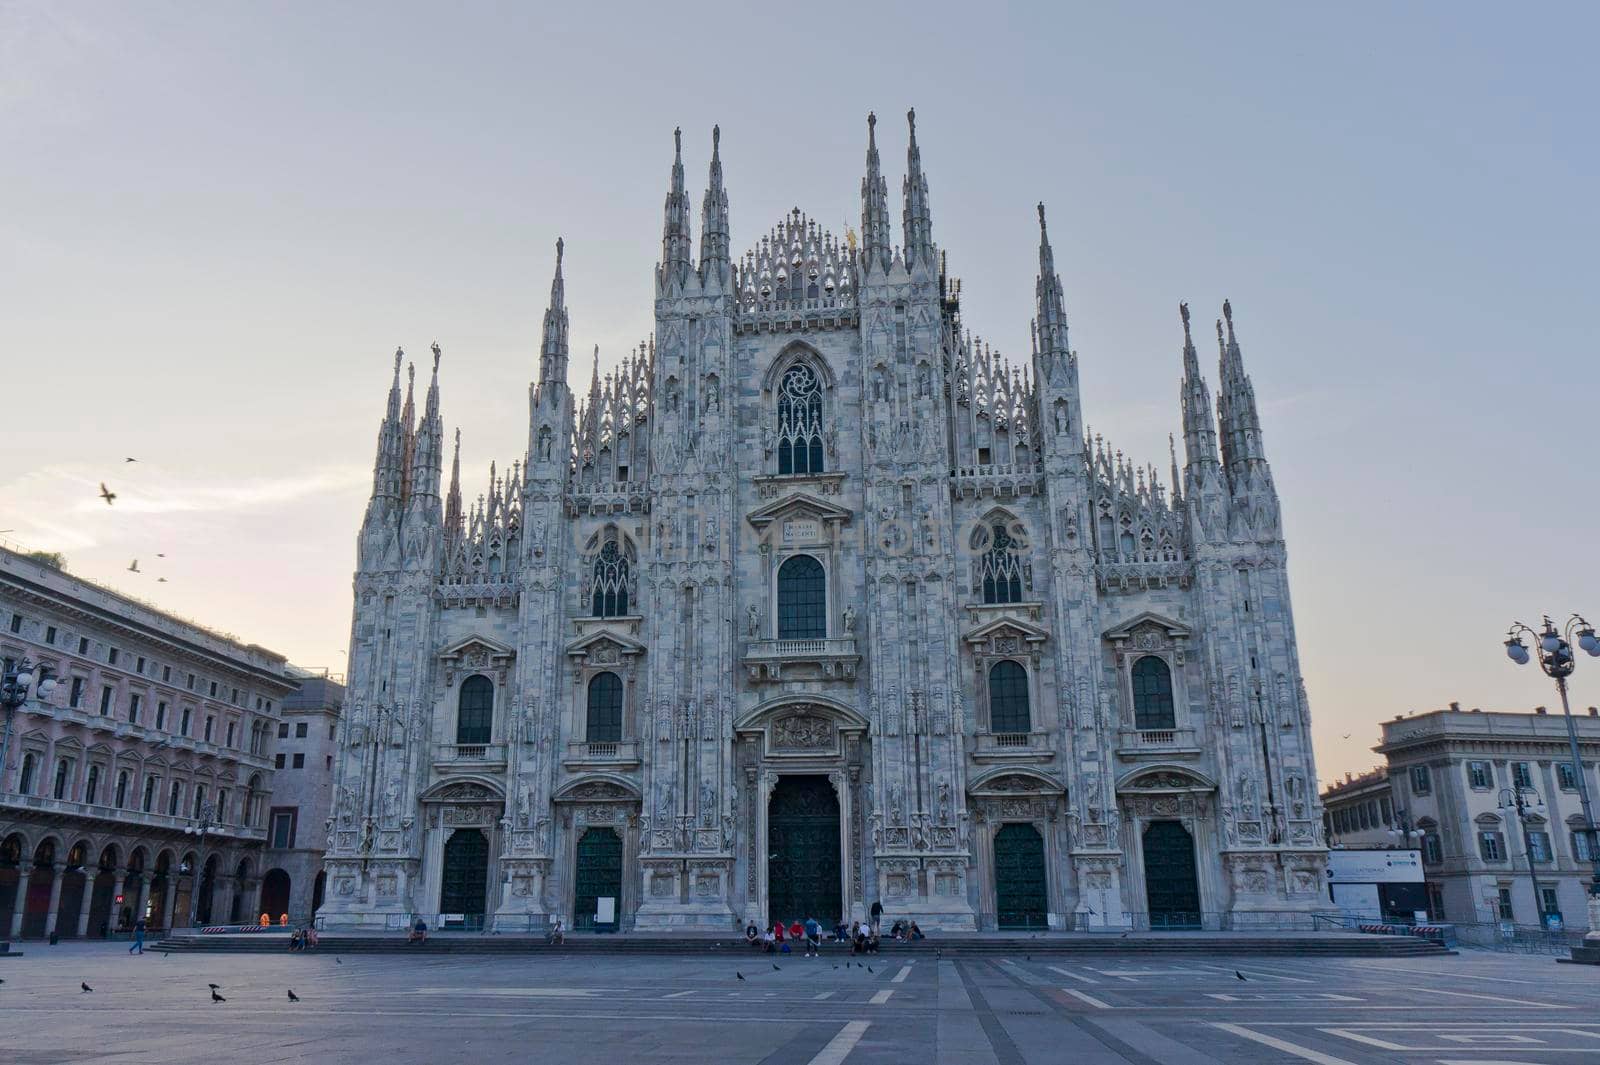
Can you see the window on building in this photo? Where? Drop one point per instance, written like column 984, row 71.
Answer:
column 1521, row 774
column 50, row 635
column 232, row 726
column 1361, row 816
column 328, row 762
column 234, row 699
column 283, row 730
column 112, row 655
column 1388, row 810
column 106, row 694
column 63, row 774
column 183, row 727
column 211, row 724
column 91, row 785
column 475, row 710
column 1000, row 567
column 199, row 800
column 282, row 830
column 1491, row 846
column 1152, row 694
column 213, row 691
column 299, row 760
column 133, row 709
column 1479, row 776
column 122, row 789
column 174, row 798
column 1506, row 912
column 1539, row 846
column 1435, row 903
column 1421, row 782
column 1009, row 712
column 25, row 783
column 139, row 668
column 16, row 623
column 75, row 699
column 150, row 786
column 166, row 674
column 161, row 716
column 608, row 587
column 278, row 759
column 1432, row 848
column 802, row 599
column 605, row 709
column 799, row 421
column 223, row 812
column 1551, row 904
column 1581, row 850
column 191, row 682
column 333, row 731
column 300, row 730
column 1566, row 777
column 83, row 645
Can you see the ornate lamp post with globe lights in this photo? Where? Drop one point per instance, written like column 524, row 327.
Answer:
column 1553, row 647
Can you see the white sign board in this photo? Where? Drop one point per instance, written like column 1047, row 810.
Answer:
column 1358, row 900
column 605, row 910
column 1374, row 866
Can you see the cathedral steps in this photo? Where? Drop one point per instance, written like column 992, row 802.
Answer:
column 1345, row 945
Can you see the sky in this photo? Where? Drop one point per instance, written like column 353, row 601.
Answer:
column 220, row 219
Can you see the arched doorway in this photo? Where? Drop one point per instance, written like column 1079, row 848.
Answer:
column 36, row 910
column 208, row 887
column 241, row 877
column 11, row 850
column 803, row 856
column 1171, row 886
column 599, row 875
column 1019, row 877
column 275, row 894
column 101, row 917
column 70, row 903
column 161, row 884
column 466, row 874
column 317, row 887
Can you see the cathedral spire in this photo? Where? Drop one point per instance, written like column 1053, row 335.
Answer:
column 918, row 221
column 1242, row 452
column 714, row 218
column 1199, row 430
column 426, row 443
column 386, row 477
column 676, row 242
column 452, row 503
column 553, row 351
column 408, row 431
column 875, row 250
column 1051, row 323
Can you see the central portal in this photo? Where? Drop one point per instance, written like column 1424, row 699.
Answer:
column 803, row 864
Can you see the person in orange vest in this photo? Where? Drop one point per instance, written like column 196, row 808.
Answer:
column 283, row 920
column 266, row 922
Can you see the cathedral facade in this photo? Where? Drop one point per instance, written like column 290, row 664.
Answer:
column 818, row 601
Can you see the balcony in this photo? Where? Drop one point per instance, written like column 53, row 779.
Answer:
column 23, row 804
column 614, row 755
column 1158, row 743
column 829, row 658
column 1012, row 747
column 465, row 756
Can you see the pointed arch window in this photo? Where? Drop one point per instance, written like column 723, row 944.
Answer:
column 802, row 599
column 1152, row 695
column 1008, row 699
column 29, row 765
column 608, row 589
column 1000, row 567
column 799, row 421
column 475, row 710
column 605, row 709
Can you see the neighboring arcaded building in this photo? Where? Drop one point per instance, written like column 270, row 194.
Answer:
column 292, row 880
column 816, row 601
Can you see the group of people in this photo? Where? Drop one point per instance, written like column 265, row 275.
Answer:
column 862, row 936
column 303, row 938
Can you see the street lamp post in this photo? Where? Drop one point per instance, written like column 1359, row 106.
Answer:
column 207, row 813
column 1402, row 831
column 1554, row 649
column 16, row 685
column 1514, row 800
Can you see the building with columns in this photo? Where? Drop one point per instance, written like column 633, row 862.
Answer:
column 155, row 721
column 816, row 600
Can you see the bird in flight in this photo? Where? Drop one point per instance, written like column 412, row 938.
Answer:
column 133, row 567
column 1347, row 735
column 130, row 460
column 107, row 494
column 160, row 555
column 161, row 580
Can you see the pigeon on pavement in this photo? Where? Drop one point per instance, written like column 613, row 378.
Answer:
column 739, row 974
column 216, row 997
column 292, row 996
column 1239, row 974
column 86, row 988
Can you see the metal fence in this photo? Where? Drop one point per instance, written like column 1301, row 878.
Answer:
column 1508, row 938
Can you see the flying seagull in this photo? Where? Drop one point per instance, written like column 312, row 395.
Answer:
column 160, row 555
column 130, row 460
column 107, row 494
column 133, row 567
column 1346, row 736
column 161, row 580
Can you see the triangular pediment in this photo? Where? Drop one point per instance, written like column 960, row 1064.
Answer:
column 597, row 644
column 796, row 505
column 477, row 645
column 1149, row 618
column 1005, row 626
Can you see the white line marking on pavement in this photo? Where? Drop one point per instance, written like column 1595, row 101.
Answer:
column 1260, row 975
column 1303, row 1053
column 1069, row 974
column 881, row 997
column 1090, row 999
column 1452, row 975
column 823, row 995
column 900, row 977
column 513, row 992
column 680, row 994
column 1491, row 998
column 841, row 1045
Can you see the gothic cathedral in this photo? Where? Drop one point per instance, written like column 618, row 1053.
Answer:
column 818, row 601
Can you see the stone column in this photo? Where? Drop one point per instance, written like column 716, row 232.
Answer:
column 116, row 890
column 221, row 898
column 56, row 870
column 88, row 899
column 21, row 908
column 144, row 897
column 251, row 890
column 169, row 900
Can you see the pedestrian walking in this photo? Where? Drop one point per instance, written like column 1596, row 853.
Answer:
column 877, row 915
column 138, row 937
